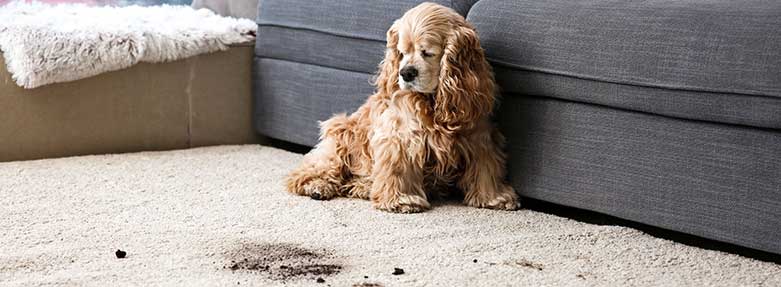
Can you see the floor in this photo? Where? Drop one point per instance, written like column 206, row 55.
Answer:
column 219, row 216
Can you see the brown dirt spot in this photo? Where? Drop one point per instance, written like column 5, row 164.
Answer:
column 367, row 285
column 529, row 264
column 282, row 262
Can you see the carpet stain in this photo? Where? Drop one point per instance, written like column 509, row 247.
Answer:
column 529, row 264
column 282, row 262
column 367, row 285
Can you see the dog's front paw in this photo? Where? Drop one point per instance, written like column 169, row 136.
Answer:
column 403, row 203
column 319, row 189
column 316, row 188
column 504, row 199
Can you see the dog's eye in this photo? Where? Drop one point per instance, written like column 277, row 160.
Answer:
column 426, row 54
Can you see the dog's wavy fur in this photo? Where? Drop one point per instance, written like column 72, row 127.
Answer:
column 402, row 147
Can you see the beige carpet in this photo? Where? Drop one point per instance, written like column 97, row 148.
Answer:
column 219, row 216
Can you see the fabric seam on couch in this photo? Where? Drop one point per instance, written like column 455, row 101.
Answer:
column 320, row 31
column 637, row 84
column 313, row 64
column 766, row 129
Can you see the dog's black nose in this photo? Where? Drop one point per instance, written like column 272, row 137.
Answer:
column 408, row 73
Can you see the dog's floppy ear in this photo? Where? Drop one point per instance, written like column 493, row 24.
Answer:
column 387, row 80
column 466, row 87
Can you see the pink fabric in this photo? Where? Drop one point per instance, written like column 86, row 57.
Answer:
column 90, row 2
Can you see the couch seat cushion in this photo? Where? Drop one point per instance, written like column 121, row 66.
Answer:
column 705, row 60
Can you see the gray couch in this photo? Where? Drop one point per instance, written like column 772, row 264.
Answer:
column 666, row 113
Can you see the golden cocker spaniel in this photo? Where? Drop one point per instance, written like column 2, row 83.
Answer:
column 426, row 131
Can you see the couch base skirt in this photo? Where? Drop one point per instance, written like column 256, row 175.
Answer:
column 717, row 181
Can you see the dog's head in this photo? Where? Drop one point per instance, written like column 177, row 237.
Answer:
column 433, row 50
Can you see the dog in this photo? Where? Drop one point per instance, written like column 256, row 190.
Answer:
column 425, row 132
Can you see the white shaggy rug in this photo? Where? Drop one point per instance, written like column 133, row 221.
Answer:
column 219, row 216
column 45, row 44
